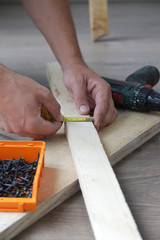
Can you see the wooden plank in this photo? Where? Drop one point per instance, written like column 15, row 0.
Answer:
column 108, row 211
column 98, row 12
column 60, row 172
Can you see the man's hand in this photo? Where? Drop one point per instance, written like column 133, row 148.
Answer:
column 54, row 20
column 21, row 99
column 90, row 93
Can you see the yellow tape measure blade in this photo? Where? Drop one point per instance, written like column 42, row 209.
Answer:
column 46, row 115
column 78, row 119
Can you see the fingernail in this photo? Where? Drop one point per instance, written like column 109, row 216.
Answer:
column 83, row 108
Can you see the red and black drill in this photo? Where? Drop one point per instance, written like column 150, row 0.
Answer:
column 136, row 91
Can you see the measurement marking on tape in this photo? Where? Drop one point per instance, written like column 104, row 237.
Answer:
column 78, row 119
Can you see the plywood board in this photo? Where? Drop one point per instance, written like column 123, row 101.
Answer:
column 129, row 131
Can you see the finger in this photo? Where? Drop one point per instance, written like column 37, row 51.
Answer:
column 51, row 105
column 42, row 127
column 102, row 105
column 34, row 136
column 33, row 126
column 80, row 98
column 91, row 102
column 49, row 128
column 105, row 112
column 110, row 117
column 7, row 128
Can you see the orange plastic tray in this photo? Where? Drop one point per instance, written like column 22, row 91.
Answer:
column 29, row 150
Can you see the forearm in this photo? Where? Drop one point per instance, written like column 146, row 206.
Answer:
column 90, row 92
column 54, row 20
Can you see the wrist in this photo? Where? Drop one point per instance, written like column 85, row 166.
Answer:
column 72, row 63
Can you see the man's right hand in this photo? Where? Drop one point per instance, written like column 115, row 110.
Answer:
column 21, row 99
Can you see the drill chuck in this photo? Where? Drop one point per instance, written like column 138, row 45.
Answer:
column 140, row 96
column 147, row 100
column 133, row 93
column 153, row 101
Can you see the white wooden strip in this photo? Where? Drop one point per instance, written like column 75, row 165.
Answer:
column 108, row 211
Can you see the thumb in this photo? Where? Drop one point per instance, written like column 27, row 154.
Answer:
column 80, row 98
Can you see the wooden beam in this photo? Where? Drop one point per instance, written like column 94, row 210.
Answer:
column 108, row 211
column 98, row 12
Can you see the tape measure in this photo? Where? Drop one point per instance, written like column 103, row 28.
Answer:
column 45, row 114
column 78, row 119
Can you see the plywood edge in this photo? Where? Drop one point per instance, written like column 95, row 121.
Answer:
column 134, row 144
column 45, row 207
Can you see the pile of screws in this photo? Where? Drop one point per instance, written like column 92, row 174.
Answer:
column 16, row 177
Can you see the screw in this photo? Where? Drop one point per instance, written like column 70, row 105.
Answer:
column 16, row 177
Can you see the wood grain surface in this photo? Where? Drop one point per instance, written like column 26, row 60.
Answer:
column 109, row 214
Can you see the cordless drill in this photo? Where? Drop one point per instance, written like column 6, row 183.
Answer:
column 136, row 91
